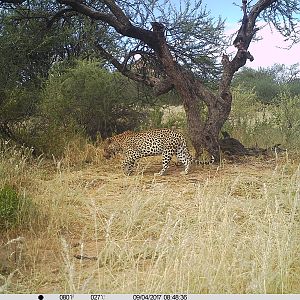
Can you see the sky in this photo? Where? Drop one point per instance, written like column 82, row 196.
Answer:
column 268, row 51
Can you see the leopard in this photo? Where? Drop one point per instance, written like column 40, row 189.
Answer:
column 135, row 145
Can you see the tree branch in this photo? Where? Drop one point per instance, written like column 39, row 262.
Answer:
column 117, row 19
column 134, row 52
column 160, row 86
column 117, row 12
column 257, row 9
column 78, row 6
column 242, row 42
column 59, row 15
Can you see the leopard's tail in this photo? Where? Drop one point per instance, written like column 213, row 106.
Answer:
column 203, row 162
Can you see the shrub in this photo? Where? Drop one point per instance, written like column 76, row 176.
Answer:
column 164, row 116
column 265, row 125
column 15, row 209
column 15, row 163
column 92, row 98
column 9, row 206
column 287, row 116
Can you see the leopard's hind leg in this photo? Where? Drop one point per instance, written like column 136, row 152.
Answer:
column 183, row 156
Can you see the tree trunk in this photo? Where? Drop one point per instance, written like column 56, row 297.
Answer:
column 203, row 134
column 192, row 109
column 217, row 115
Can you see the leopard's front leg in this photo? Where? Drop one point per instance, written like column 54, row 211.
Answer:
column 167, row 156
column 127, row 165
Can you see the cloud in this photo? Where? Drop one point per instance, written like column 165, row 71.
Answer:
column 271, row 49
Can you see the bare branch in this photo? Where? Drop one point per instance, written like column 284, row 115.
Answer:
column 59, row 15
column 78, row 6
column 242, row 42
column 117, row 19
column 117, row 12
column 260, row 6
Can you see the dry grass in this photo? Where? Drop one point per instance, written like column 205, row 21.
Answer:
column 232, row 228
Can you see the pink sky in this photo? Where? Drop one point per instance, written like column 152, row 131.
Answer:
column 270, row 49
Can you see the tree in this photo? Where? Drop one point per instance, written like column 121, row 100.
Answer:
column 161, row 45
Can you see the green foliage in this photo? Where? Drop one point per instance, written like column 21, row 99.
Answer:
column 155, row 118
column 14, row 163
column 287, row 116
column 15, row 209
column 17, row 107
column 9, row 205
column 269, row 83
column 31, row 41
column 86, row 99
column 166, row 117
column 176, row 120
column 261, row 81
column 293, row 87
column 26, row 54
column 17, row 166
column 255, row 123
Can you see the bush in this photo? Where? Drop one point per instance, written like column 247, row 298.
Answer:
column 82, row 100
column 15, row 163
column 254, row 123
column 9, row 206
column 262, row 81
column 287, row 116
column 89, row 96
column 15, row 209
column 166, row 117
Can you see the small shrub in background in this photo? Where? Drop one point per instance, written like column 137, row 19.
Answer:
column 81, row 101
column 15, row 209
column 96, row 100
column 17, row 168
column 287, row 118
column 9, row 206
column 265, row 125
column 15, row 163
column 155, row 116
column 166, row 117
column 176, row 121
column 82, row 151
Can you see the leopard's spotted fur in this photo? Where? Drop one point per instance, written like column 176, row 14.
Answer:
column 134, row 145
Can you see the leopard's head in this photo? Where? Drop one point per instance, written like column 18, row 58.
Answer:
column 111, row 148
column 115, row 144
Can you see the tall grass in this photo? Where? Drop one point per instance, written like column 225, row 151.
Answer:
column 229, row 236
column 231, row 229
